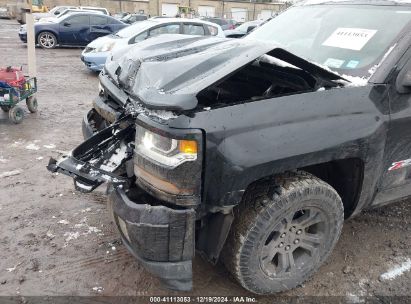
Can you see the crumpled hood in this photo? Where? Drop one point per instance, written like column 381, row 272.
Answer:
column 167, row 72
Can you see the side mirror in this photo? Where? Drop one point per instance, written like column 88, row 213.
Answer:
column 403, row 82
column 57, row 13
column 250, row 28
column 67, row 24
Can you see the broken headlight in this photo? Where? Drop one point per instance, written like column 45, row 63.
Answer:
column 168, row 152
column 168, row 162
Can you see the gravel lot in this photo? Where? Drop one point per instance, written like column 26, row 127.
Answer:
column 55, row 241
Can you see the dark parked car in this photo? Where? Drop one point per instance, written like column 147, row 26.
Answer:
column 132, row 18
column 254, row 150
column 226, row 24
column 76, row 29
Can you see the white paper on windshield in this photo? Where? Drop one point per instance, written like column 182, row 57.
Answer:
column 350, row 38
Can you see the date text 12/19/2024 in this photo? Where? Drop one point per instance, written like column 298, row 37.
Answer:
column 207, row 299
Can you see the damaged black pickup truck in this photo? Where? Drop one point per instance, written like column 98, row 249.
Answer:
column 247, row 151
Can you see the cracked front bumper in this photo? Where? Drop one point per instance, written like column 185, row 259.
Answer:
column 161, row 238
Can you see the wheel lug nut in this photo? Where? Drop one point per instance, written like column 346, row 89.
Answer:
column 282, row 235
column 281, row 245
column 299, row 231
column 287, row 247
column 296, row 241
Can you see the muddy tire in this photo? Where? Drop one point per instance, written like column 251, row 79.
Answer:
column 47, row 40
column 5, row 108
column 16, row 114
column 283, row 231
column 31, row 103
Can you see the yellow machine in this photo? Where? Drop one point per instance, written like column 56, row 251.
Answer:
column 23, row 7
column 186, row 12
column 39, row 7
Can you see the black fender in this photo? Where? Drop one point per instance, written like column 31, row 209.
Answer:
column 250, row 141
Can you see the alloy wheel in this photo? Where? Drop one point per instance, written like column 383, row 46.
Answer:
column 47, row 40
column 294, row 243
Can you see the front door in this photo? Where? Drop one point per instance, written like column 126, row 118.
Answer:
column 75, row 30
column 99, row 27
column 396, row 181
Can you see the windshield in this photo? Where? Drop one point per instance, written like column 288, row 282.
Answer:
column 135, row 28
column 66, row 12
column 349, row 39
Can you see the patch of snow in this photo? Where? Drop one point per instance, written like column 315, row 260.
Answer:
column 275, row 61
column 50, row 146
column 115, row 159
column 375, row 67
column 71, row 236
column 50, row 235
column 32, row 147
column 98, row 289
column 3, row 160
column 162, row 114
column 92, row 229
column 352, row 298
column 207, row 108
column 397, row 270
column 64, row 222
column 321, row 89
column 113, row 248
column 11, row 269
column 17, row 143
column 353, row 81
column 10, row 173
column 39, row 158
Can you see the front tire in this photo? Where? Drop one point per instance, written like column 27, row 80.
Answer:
column 47, row 40
column 283, row 231
column 16, row 114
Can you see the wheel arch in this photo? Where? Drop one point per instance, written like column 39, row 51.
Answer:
column 344, row 175
column 47, row 30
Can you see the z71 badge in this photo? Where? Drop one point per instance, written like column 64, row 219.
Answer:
column 400, row 164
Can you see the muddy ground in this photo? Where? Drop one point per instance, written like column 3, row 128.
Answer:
column 55, row 241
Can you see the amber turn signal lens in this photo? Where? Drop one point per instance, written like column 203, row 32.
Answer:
column 188, row 146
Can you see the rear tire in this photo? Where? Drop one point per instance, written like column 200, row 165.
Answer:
column 31, row 103
column 47, row 40
column 16, row 114
column 283, row 231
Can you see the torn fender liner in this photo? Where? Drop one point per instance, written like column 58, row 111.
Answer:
column 96, row 159
column 161, row 238
column 170, row 77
